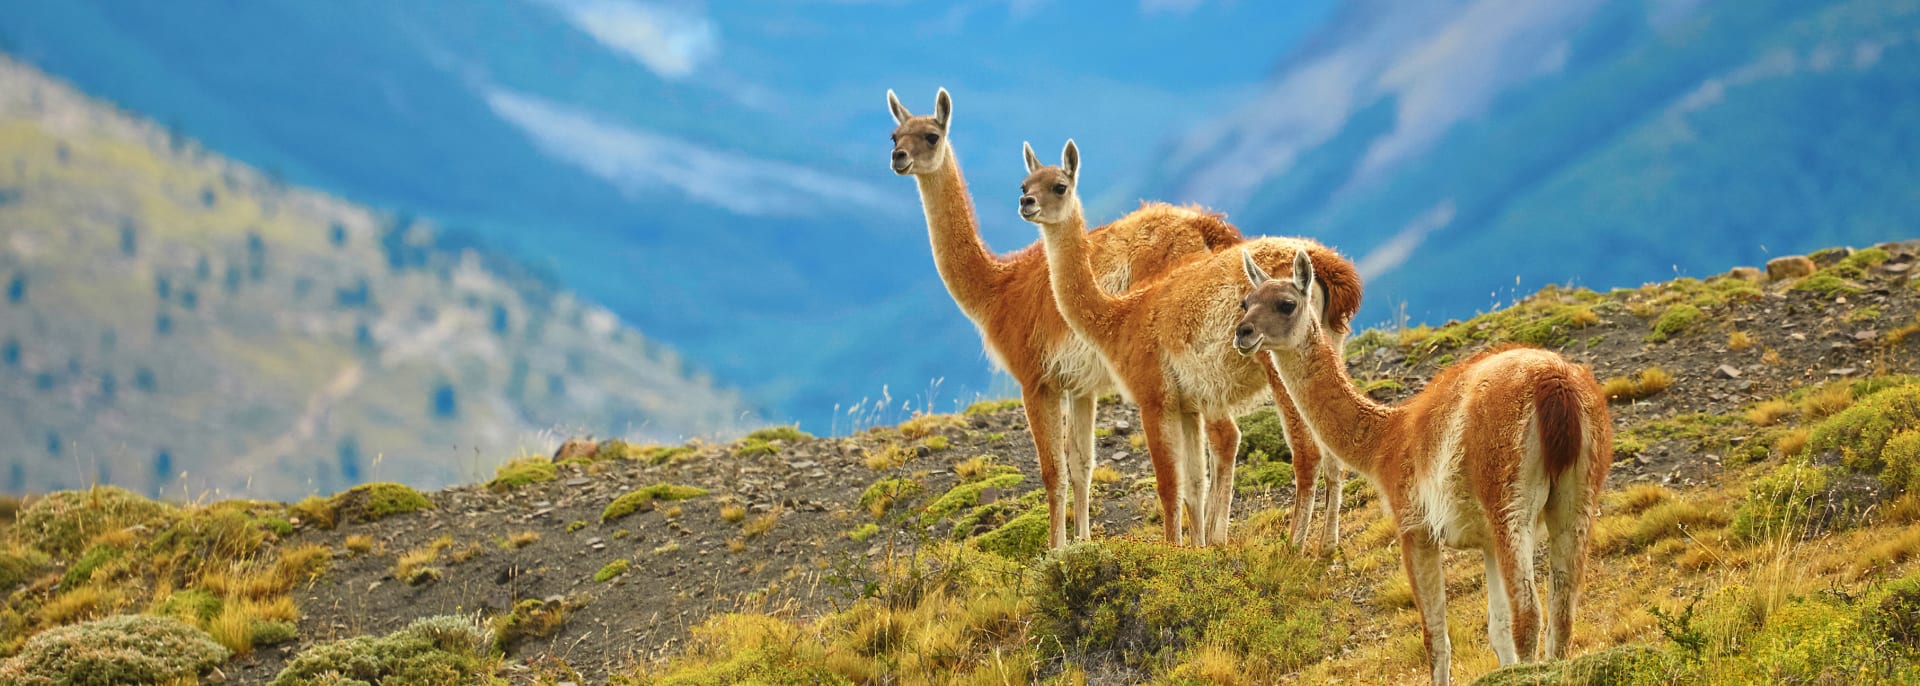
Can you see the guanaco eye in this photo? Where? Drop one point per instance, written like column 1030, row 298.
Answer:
column 1243, row 306
column 1285, row 307
column 932, row 138
column 1060, row 189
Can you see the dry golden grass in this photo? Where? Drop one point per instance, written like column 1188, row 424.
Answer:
column 358, row 544
column 923, row 425
column 1902, row 334
column 83, row 603
column 1770, row 357
column 1791, row 442
column 673, row 512
column 1104, row 474
column 1637, row 498
column 466, row 552
column 1826, row 402
column 1137, row 441
column 1644, row 384
column 233, row 628
column 413, row 566
column 1738, row 341
column 522, row 539
column 1769, row 412
column 733, row 513
column 737, row 545
column 760, row 525
column 893, row 455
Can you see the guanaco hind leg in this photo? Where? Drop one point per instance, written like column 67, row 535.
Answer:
column 1223, row 438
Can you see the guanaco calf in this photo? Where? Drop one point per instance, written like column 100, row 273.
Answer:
column 1167, row 342
column 1492, row 450
column 1008, row 299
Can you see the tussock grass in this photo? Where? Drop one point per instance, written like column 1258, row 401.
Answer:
column 1644, row 384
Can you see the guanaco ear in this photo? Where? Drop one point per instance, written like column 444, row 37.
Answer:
column 1254, row 273
column 1302, row 271
column 942, row 109
column 1033, row 161
column 900, row 113
column 1070, row 160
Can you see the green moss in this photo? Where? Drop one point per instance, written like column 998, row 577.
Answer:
column 1145, row 603
column 617, row 449
column 1022, row 538
column 267, row 632
column 790, row 434
column 1861, row 433
column 437, row 651
column 81, row 572
column 991, row 406
column 935, row 443
column 280, row 527
column 860, row 534
column 126, row 649
column 1828, row 285
column 1262, row 473
column 376, row 501
column 523, row 472
column 966, row 495
column 63, row 523
column 576, row 525
column 755, row 446
column 611, row 570
column 1628, row 444
column 881, row 496
column 983, row 519
column 193, row 605
column 1673, row 322
column 667, row 454
column 1795, row 500
column 642, row 500
column 1262, row 430
column 20, row 566
column 1370, row 340
column 1630, row 665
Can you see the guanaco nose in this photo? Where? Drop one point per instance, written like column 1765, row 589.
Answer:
column 1244, row 331
column 1028, row 200
column 899, row 155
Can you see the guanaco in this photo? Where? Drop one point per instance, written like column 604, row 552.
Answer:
column 1168, row 343
column 1495, row 449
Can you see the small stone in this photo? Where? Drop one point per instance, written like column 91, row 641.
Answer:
column 1122, row 428
column 596, row 540
column 1746, row 274
column 803, row 464
column 1789, row 267
column 1121, row 456
column 1843, row 371
column 372, row 586
column 578, row 481
column 542, row 512
column 1866, row 335
column 1727, row 371
column 1896, row 268
column 1798, row 337
column 989, row 495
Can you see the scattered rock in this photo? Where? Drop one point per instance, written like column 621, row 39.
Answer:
column 1831, row 256
column 1747, row 274
column 1790, row 267
column 1727, row 371
column 1843, row 371
column 575, row 447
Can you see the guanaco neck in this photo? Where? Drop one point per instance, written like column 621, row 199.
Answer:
column 1351, row 425
column 969, row 269
column 1088, row 309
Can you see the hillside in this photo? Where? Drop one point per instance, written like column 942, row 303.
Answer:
column 1762, row 523
column 177, row 322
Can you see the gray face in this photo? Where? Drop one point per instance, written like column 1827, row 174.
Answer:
column 919, row 143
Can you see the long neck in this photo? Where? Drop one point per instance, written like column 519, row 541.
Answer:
column 1346, row 421
column 1070, row 267
column 968, row 268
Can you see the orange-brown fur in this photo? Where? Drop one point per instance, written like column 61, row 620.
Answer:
column 1010, row 301
column 1167, row 342
column 1512, row 440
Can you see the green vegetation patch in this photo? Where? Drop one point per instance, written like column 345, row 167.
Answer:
column 1861, row 433
column 21, row 565
column 441, row 651
column 63, row 523
column 1262, row 430
column 1143, row 602
column 1674, row 321
column 789, row 434
column 194, row 605
column 1021, row 538
column 529, row 618
column 749, row 649
column 81, row 572
column 642, row 500
column 125, row 649
column 965, row 496
column 880, row 497
column 991, row 406
column 367, row 503
column 1828, row 284
column 525, row 471
column 611, row 570
column 1262, row 473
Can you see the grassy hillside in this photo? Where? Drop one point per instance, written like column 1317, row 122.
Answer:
column 174, row 320
column 1760, row 524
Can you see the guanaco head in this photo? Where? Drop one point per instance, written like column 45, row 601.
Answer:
column 920, row 143
column 1048, row 195
column 1278, row 314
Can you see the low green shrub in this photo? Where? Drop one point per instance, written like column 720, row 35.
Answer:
column 124, row 649
column 523, row 472
column 435, row 651
column 642, row 500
